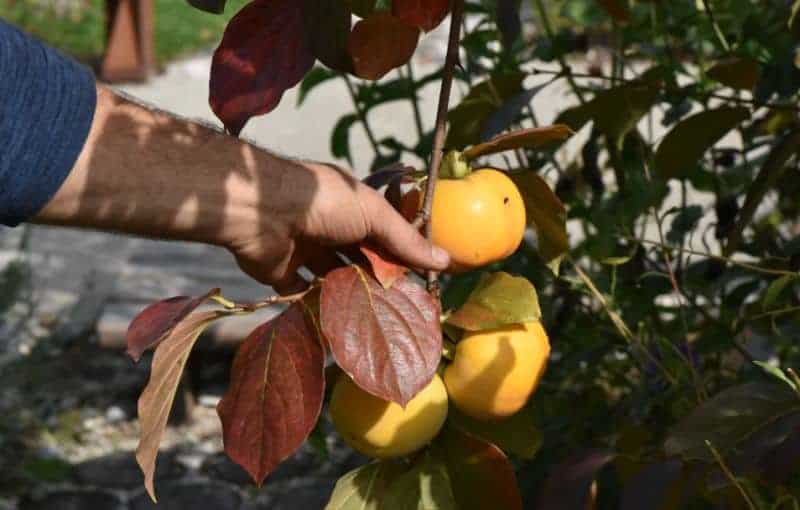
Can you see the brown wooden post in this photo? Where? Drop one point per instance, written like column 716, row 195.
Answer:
column 129, row 54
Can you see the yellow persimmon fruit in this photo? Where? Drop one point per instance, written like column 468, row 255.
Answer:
column 495, row 372
column 381, row 429
column 478, row 219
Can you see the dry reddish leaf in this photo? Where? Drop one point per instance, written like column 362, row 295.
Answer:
column 381, row 43
column 532, row 138
column 423, row 14
column 384, row 266
column 617, row 9
column 156, row 321
column 388, row 340
column 265, row 50
column 480, row 473
column 155, row 402
column 275, row 395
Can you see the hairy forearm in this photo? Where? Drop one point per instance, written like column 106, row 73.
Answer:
column 148, row 173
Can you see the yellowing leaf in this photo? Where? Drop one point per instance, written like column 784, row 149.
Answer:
column 547, row 214
column 686, row 143
column 155, row 402
column 426, row 486
column 498, row 300
column 363, row 488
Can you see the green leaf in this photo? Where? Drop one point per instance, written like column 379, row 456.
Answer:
column 518, row 434
column 547, row 214
column 467, row 120
column 498, row 300
column 340, row 140
column 686, row 143
column 775, row 288
column 426, row 486
column 684, row 222
column 616, row 261
column 730, row 417
column 617, row 110
column 316, row 76
column 364, row 488
column 775, row 372
column 738, row 73
column 793, row 18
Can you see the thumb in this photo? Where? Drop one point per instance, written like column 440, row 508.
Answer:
column 389, row 229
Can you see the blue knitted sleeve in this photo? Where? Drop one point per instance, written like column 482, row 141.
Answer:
column 47, row 104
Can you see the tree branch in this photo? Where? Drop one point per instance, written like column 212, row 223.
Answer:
column 441, row 127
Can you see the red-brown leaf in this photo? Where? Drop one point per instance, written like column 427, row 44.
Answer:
column 388, row 340
column 381, row 43
column 155, row 402
column 265, row 51
column 156, row 321
column 385, row 267
column 480, row 473
column 532, row 138
column 569, row 485
column 423, row 14
column 275, row 395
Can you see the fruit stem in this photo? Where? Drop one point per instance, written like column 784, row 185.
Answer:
column 454, row 166
column 441, row 127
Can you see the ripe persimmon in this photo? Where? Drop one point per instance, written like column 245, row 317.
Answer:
column 479, row 219
column 495, row 372
column 381, row 429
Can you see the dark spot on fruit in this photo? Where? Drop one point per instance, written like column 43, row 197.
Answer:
column 505, row 200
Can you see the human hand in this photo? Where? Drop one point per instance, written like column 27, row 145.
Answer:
column 316, row 209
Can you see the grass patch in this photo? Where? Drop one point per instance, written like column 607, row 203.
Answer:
column 80, row 31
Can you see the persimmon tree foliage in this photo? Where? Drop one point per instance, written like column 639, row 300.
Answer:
column 669, row 384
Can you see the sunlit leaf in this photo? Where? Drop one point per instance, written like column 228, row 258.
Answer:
column 156, row 322
column 532, row 138
column 685, row 144
column 388, row 340
column 729, row 417
column 426, row 486
column 777, row 373
column 517, row 435
column 381, row 43
column 265, row 51
column 386, row 268
column 737, row 72
column 498, row 300
column 365, row 487
column 568, row 487
column 275, row 395
column 156, row 400
column 423, row 14
column 547, row 214
column 480, row 474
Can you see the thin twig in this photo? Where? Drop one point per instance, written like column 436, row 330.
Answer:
column 717, row 30
column 745, row 265
column 362, row 116
column 412, row 96
column 258, row 305
column 730, row 476
column 566, row 70
column 739, row 100
column 441, row 127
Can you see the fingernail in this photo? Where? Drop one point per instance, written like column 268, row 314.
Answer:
column 440, row 257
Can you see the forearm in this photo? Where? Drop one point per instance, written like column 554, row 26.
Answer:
column 148, row 173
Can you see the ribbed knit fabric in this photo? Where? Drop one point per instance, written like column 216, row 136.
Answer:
column 47, row 104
